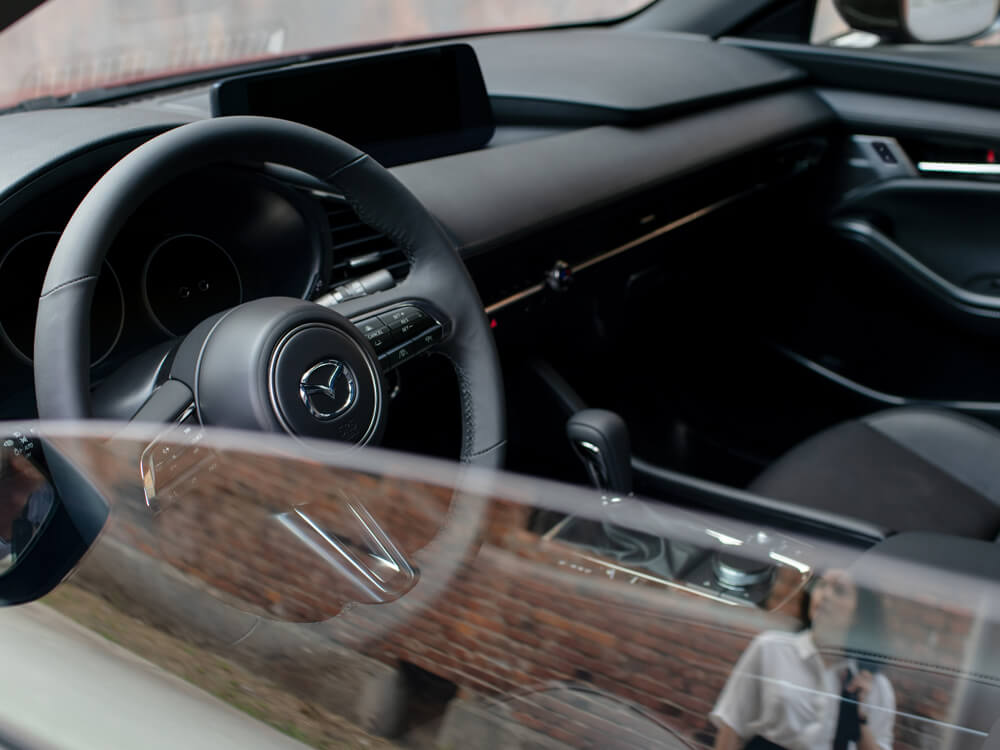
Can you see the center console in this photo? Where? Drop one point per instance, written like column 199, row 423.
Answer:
column 727, row 562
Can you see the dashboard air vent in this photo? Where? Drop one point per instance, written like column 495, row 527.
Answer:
column 357, row 248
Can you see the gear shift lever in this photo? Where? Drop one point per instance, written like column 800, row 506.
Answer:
column 600, row 439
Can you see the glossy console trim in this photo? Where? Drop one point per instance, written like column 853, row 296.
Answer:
column 630, row 245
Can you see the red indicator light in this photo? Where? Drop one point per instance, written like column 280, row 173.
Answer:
column 493, row 322
column 991, row 157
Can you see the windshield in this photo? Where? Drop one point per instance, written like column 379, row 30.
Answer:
column 66, row 46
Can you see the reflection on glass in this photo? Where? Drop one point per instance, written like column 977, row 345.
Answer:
column 26, row 499
column 798, row 690
column 282, row 583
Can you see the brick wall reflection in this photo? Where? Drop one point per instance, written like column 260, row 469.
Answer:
column 510, row 618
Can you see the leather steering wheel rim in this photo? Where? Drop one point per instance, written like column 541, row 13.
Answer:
column 437, row 273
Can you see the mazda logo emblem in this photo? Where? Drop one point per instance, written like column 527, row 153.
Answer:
column 328, row 389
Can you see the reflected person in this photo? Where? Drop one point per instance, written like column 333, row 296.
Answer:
column 793, row 691
column 26, row 498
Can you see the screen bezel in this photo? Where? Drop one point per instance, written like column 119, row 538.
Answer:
column 475, row 128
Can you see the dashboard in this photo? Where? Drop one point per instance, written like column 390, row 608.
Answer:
column 614, row 168
column 616, row 155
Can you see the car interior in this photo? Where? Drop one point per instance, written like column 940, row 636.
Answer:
column 717, row 268
column 769, row 271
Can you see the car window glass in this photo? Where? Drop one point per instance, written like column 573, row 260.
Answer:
column 352, row 596
column 27, row 499
column 73, row 45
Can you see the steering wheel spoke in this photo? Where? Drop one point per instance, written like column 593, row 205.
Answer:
column 171, row 401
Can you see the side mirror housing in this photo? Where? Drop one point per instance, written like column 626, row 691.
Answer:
column 926, row 21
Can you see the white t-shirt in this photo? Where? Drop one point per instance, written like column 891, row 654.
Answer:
column 781, row 690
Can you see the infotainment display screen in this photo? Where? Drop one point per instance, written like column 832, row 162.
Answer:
column 399, row 107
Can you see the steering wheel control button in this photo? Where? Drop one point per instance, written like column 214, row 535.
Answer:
column 377, row 332
column 403, row 315
column 324, row 384
column 398, row 356
column 404, row 330
column 411, row 331
column 328, row 389
column 412, row 347
column 432, row 336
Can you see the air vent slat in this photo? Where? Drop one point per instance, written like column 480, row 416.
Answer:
column 358, row 248
column 336, row 225
column 355, row 246
column 345, row 238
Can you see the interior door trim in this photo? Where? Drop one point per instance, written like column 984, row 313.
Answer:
column 864, row 234
column 986, row 409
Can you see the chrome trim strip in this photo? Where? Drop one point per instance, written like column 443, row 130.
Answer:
column 950, row 167
column 523, row 294
column 676, row 224
column 632, row 244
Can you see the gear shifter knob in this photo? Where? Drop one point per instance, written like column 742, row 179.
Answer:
column 600, row 439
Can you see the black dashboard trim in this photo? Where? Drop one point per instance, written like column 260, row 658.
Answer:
column 627, row 246
column 541, row 183
column 596, row 76
column 956, row 73
column 900, row 115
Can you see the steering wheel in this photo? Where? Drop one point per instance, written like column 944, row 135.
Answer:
column 277, row 364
